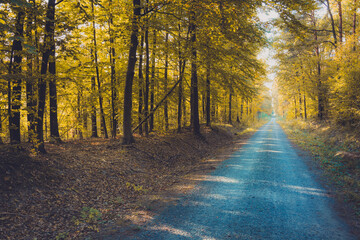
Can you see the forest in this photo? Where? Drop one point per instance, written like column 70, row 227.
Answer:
column 103, row 101
column 80, row 69
column 318, row 72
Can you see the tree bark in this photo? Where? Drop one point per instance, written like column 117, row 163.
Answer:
column 114, row 97
column 166, row 114
column 321, row 100
column 102, row 114
column 94, row 130
column 295, row 108
column 340, row 22
column 152, row 83
column 147, row 72
column 180, row 98
column 31, row 99
column 230, row 108
column 128, row 136
column 194, row 97
column 180, row 90
column 305, row 110
column 42, row 80
column 354, row 18
column 208, row 92
column 300, row 105
column 14, row 117
column 332, row 21
column 54, row 125
column 141, row 83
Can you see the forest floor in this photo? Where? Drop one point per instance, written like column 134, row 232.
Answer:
column 81, row 187
column 335, row 151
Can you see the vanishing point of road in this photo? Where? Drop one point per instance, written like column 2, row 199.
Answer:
column 263, row 191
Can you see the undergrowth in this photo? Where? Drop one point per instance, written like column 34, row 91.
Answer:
column 336, row 150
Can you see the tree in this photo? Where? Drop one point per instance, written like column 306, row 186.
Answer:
column 128, row 135
column 14, row 90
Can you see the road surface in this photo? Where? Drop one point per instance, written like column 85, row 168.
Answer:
column 263, row 191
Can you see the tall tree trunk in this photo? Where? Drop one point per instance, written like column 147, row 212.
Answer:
column 300, row 104
column 1, row 126
column 340, row 21
column 194, row 97
column 141, row 83
column 54, row 125
column 78, row 114
column 241, row 109
column 180, row 97
column 14, row 117
column 102, row 114
column 147, row 72
column 208, row 92
column 31, row 99
column 354, row 25
column 321, row 100
column 247, row 108
column 152, row 83
column 332, row 21
column 295, row 108
column 354, row 18
column 94, row 130
column 114, row 97
column 49, row 25
column 180, row 89
column 230, row 108
column 166, row 114
column 128, row 136
column 305, row 110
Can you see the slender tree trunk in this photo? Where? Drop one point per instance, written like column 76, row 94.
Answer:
column 31, row 100
column 300, row 104
column 141, row 83
column 128, row 136
column 147, row 72
column 354, row 18
column 114, row 97
column 247, row 108
column 1, row 126
column 157, row 105
column 321, row 100
column 9, row 90
column 184, row 113
column 54, row 125
column 305, row 110
column 152, row 82
column 194, row 99
column 14, row 117
column 102, row 114
column 340, row 22
column 242, row 109
column 94, row 130
column 230, row 108
column 295, row 108
column 180, row 96
column 166, row 114
column 42, row 80
column 332, row 21
column 180, row 89
column 208, row 92
column 354, row 25
column 78, row 115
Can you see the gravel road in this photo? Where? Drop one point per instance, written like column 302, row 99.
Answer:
column 263, row 191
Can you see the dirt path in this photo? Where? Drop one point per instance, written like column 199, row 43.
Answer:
column 263, row 191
